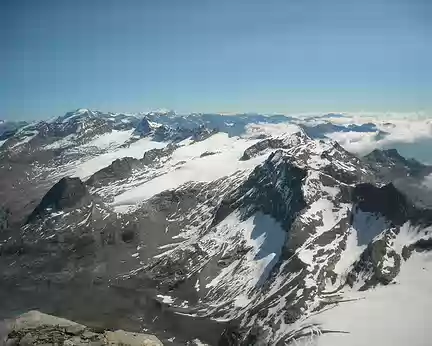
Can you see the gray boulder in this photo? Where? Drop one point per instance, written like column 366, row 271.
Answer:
column 37, row 328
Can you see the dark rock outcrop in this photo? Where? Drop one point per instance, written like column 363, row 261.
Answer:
column 273, row 188
column 67, row 193
column 153, row 155
column 179, row 133
column 123, row 168
column 378, row 264
column 386, row 200
column 254, row 150
column 117, row 170
column 208, row 153
column 391, row 165
column 143, row 128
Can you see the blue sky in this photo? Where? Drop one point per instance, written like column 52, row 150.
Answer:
column 231, row 56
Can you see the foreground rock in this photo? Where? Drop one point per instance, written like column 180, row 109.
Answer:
column 36, row 328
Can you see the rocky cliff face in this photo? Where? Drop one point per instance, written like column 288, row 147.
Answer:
column 390, row 164
column 143, row 128
column 117, row 170
column 66, row 194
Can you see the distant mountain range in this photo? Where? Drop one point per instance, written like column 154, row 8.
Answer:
column 213, row 229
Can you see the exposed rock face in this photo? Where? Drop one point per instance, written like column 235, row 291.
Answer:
column 386, row 200
column 163, row 133
column 153, row 155
column 208, row 153
column 123, row 168
column 406, row 174
column 201, row 133
column 117, row 170
column 178, row 134
column 85, row 126
column 260, row 146
column 390, row 164
column 378, row 264
column 143, row 128
column 392, row 158
column 36, row 328
column 67, row 193
column 273, row 188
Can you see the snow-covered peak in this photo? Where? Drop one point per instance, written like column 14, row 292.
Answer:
column 161, row 112
column 77, row 114
column 82, row 110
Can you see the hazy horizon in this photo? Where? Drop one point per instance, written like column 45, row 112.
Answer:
column 361, row 114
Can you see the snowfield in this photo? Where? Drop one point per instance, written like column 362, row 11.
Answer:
column 187, row 165
column 88, row 165
column 394, row 315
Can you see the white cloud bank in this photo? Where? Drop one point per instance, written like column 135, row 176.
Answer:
column 392, row 129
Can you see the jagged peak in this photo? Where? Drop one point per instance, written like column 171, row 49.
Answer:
column 143, row 128
column 76, row 114
column 274, row 187
column 295, row 138
column 392, row 153
column 388, row 154
column 391, row 159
